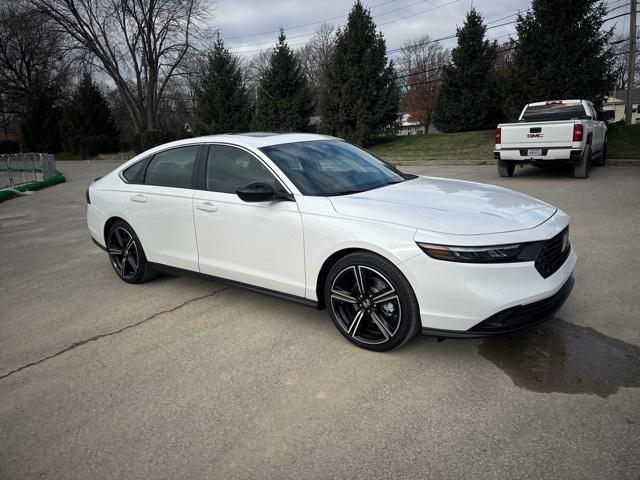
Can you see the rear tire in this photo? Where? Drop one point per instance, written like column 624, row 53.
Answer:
column 583, row 164
column 371, row 302
column 506, row 168
column 127, row 255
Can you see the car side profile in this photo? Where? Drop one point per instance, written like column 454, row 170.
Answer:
column 317, row 220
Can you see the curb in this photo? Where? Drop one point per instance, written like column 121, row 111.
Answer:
column 6, row 193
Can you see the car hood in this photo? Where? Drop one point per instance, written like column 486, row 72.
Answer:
column 447, row 206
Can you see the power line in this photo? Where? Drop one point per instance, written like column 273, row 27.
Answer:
column 419, row 13
column 400, row 63
column 319, row 21
column 488, row 28
column 380, row 24
column 312, row 33
column 395, row 50
column 440, row 67
column 448, row 37
column 305, row 24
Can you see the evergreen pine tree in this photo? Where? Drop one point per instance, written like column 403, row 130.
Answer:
column 361, row 97
column 469, row 98
column 88, row 126
column 39, row 125
column 284, row 102
column 222, row 101
column 561, row 52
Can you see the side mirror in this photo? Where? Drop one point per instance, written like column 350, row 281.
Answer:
column 260, row 192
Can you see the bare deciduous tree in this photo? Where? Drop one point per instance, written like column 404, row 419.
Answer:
column 420, row 71
column 619, row 47
column 314, row 55
column 256, row 67
column 31, row 51
column 140, row 44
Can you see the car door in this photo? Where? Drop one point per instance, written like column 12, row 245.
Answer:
column 160, row 207
column 256, row 243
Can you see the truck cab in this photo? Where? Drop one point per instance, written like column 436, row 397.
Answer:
column 552, row 131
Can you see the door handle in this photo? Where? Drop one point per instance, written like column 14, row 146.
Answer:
column 138, row 198
column 207, row 207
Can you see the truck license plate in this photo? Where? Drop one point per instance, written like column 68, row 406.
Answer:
column 534, row 152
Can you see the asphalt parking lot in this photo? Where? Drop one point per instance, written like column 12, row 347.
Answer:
column 184, row 378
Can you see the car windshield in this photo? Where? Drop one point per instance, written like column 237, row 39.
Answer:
column 332, row 167
column 554, row 111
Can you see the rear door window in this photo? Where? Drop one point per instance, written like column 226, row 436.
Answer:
column 172, row 168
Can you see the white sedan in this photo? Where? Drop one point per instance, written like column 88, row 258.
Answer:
column 317, row 220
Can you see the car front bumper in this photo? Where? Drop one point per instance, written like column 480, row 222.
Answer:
column 466, row 299
column 512, row 319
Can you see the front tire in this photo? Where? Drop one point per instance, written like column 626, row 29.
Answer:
column 127, row 255
column 371, row 303
column 582, row 166
column 505, row 168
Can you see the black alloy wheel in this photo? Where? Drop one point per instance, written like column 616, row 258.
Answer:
column 126, row 254
column 371, row 302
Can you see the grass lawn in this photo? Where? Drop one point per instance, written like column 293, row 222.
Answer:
column 624, row 143
column 450, row 146
column 66, row 156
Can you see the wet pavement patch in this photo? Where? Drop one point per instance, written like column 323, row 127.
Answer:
column 566, row 358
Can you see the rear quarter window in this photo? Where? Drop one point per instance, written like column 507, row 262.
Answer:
column 131, row 174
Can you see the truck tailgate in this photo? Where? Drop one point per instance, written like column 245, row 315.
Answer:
column 534, row 134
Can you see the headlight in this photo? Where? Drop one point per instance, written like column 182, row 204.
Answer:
column 494, row 253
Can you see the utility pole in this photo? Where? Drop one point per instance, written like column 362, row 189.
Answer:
column 628, row 111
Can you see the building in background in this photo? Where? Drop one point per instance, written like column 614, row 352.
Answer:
column 613, row 107
column 407, row 127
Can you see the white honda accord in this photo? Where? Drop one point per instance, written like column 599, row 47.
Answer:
column 317, row 220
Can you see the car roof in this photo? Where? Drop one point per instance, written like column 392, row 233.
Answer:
column 247, row 140
column 251, row 139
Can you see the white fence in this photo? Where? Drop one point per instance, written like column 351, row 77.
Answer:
column 19, row 168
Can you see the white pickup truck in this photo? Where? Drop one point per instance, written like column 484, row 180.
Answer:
column 552, row 131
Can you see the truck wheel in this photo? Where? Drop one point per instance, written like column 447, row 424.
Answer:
column 583, row 164
column 602, row 158
column 505, row 168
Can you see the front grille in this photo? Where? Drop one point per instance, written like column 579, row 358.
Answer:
column 553, row 254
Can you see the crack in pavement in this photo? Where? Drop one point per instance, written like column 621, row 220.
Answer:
column 109, row 334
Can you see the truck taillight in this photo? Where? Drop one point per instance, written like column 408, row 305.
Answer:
column 577, row 132
column 498, row 136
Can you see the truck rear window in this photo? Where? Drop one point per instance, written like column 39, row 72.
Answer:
column 554, row 111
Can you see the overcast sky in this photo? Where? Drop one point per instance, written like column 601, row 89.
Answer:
column 399, row 20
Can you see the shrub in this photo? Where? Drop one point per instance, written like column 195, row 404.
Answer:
column 88, row 146
column 9, row 146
